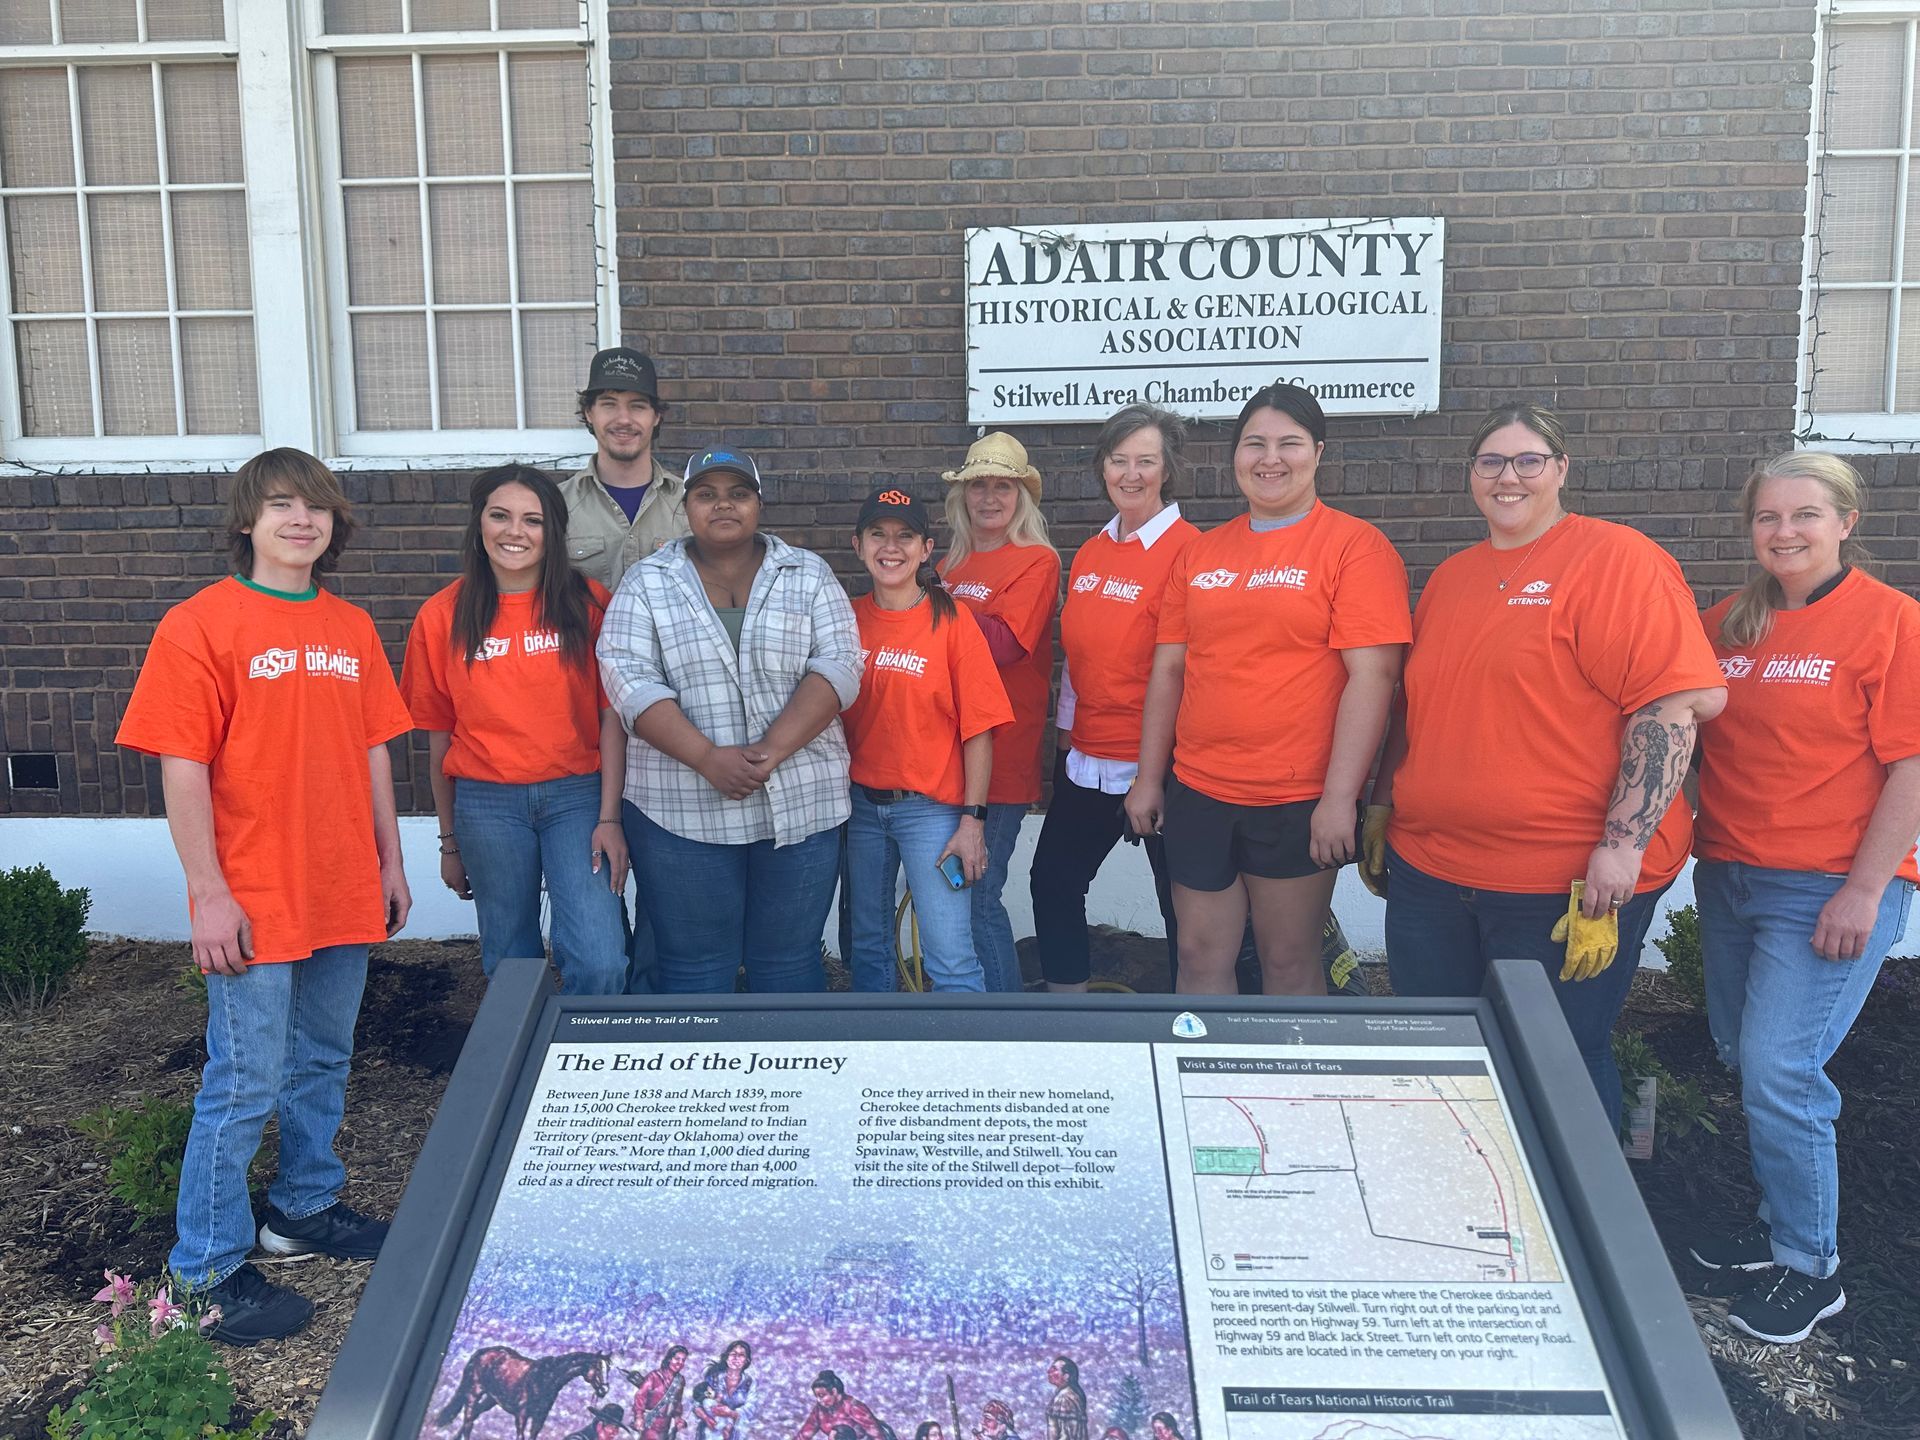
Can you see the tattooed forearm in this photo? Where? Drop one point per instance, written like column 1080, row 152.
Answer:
column 1653, row 761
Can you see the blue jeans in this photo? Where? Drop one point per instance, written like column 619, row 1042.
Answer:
column 717, row 907
column 278, row 1037
column 880, row 839
column 992, row 930
column 1778, row 1012
column 512, row 835
column 1441, row 936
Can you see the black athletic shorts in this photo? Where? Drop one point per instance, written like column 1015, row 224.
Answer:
column 1211, row 843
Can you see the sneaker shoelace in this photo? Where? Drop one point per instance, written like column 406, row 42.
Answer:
column 1789, row 1288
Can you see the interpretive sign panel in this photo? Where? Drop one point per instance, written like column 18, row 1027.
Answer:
column 1044, row 1219
column 1073, row 322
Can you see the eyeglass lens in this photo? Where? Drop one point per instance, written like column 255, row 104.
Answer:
column 1525, row 466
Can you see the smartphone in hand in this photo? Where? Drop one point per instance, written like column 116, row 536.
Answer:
column 954, row 872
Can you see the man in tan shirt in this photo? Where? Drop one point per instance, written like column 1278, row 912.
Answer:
column 625, row 505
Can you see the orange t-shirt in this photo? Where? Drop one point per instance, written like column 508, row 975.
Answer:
column 1515, row 704
column 281, row 700
column 1108, row 628
column 1264, row 617
column 922, row 693
column 520, row 713
column 1020, row 586
column 1792, row 769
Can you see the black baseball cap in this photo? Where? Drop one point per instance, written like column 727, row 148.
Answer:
column 623, row 369
column 734, row 462
column 890, row 502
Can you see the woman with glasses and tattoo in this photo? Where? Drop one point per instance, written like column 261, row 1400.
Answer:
column 1805, row 878
column 1527, row 803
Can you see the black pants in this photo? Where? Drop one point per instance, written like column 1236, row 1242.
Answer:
column 1081, row 828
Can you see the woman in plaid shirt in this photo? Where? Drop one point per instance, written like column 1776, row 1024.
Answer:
column 730, row 654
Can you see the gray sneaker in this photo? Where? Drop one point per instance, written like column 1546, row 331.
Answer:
column 252, row 1308
column 337, row 1231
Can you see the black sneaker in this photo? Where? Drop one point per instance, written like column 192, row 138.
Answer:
column 336, row 1231
column 1786, row 1305
column 1748, row 1248
column 252, row 1308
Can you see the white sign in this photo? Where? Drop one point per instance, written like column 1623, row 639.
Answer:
column 1073, row 323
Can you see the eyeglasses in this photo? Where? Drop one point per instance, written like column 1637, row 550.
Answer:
column 1489, row 465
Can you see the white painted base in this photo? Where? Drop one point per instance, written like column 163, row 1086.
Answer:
column 129, row 866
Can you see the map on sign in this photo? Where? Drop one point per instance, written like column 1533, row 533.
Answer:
column 1360, row 1177
column 1448, row 1427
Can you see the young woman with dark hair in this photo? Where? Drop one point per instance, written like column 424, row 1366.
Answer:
column 526, row 758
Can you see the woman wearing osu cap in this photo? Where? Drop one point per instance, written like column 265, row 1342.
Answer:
column 1002, row 567
column 1107, row 629
column 1279, row 644
column 921, row 739
column 1526, row 802
column 1809, row 803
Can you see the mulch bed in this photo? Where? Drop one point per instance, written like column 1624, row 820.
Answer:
column 130, row 1028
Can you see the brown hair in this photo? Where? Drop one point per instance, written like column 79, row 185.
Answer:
column 285, row 471
column 1124, row 424
column 560, row 594
column 1537, row 418
column 1750, row 617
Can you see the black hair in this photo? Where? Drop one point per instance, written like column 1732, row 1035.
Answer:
column 1293, row 401
column 560, row 594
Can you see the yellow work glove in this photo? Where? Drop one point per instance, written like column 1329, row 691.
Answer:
column 1373, row 848
column 1591, row 944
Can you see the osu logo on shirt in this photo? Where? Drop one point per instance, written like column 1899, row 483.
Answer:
column 1086, row 582
column 971, row 590
column 1736, row 667
column 1214, row 580
column 272, row 663
column 1534, row 592
column 493, row 647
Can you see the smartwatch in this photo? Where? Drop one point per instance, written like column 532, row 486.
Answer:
column 977, row 812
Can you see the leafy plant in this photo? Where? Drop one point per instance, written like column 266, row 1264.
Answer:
column 1679, row 1107
column 1686, row 964
column 144, row 1146
column 43, row 937
column 158, row 1377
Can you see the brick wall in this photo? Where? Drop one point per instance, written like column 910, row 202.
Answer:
column 1624, row 194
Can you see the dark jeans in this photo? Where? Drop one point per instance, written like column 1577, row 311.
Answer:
column 1081, row 829
column 1441, row 936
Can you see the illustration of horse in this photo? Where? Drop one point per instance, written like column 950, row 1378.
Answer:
column 522, row 1386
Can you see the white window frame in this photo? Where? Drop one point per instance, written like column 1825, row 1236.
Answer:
column 296, row 224
column 1873, row 431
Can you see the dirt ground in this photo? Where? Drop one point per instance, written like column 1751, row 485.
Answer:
column 130, row 1028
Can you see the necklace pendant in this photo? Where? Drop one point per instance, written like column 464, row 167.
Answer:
column 1503, row 584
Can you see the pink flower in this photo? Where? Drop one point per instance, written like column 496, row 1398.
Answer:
column 103, row 1336
column 165, row 1312
column 117, row 1292
column 211, row 1318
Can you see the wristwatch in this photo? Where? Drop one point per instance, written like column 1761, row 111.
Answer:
column 976, row 812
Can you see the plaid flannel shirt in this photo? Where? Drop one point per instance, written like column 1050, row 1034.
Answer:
column 662, row 641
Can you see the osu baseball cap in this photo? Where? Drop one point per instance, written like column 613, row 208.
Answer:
column 734, row 462
column 890, row 502
column 623, row 369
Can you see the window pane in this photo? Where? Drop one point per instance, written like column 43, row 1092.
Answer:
column 383, row 246
column 539, row 14
column 376, row 117
column 451, row 15
column 549, row 97
column 556, row 345
column 210, row 256
column 1856, row 220
column 43, row 241
column 363, row 17
column 186, row 20
column 223, row 392
column 36, row 140
column 555, row 240
column 129, row 263
column 463, row 114
column 469, row 244
column 390, row 372
column 116, row 125
column 136, row 377
column 1864, row 65
column 25, row 22
column 89, row 20
column 476, row 372
column 1850, row 351
column 203, row 124
column 56, row 397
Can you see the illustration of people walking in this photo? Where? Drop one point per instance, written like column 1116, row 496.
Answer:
column 657, row 1396
column 833, row 1409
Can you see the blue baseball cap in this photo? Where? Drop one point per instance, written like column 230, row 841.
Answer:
column 734, row 462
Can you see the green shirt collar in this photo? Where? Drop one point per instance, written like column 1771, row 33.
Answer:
column 312, row 592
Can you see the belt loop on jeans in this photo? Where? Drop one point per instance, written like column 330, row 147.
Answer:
column 886, row 797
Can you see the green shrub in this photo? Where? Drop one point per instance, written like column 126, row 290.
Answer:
column 1679, row 1108
column 43, row 936
column 144, row 1146
column 1686, row 967
column 159, row 1378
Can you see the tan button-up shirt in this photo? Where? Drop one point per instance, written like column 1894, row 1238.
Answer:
column 600, row 542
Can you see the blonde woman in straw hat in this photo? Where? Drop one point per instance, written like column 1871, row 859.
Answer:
column 1003, row 568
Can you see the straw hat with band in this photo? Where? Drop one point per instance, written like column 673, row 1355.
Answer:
column 996, row 453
